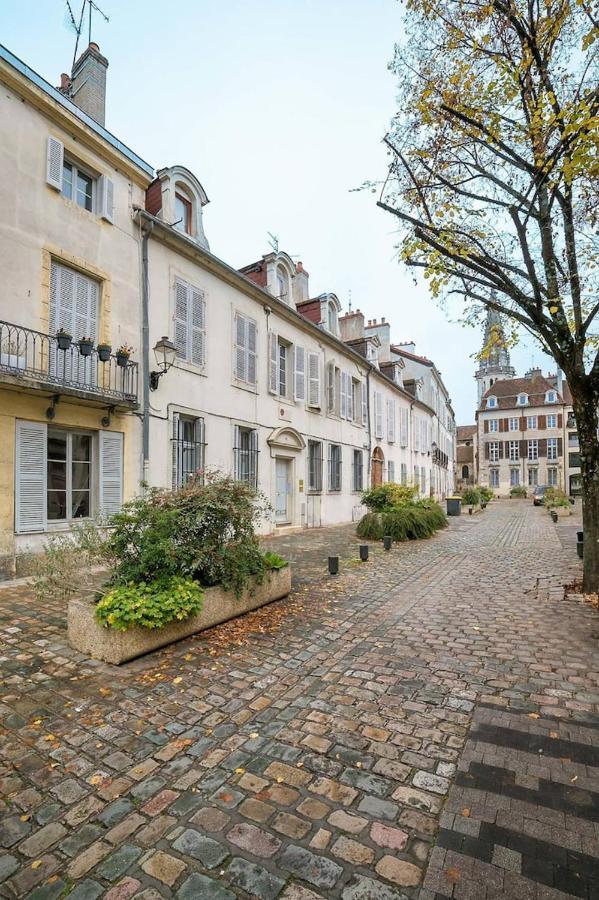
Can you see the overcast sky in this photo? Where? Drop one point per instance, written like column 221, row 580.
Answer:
column 278, row 107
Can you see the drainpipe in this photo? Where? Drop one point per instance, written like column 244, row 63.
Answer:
column 368, row 371
column 145, row 349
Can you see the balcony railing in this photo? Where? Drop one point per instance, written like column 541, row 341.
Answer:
column 440, row 458
column 32, row 355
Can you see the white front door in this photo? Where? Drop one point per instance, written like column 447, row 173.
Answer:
column 283, row 491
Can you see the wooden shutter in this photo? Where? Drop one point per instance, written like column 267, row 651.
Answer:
column 560, row 446
column 503, row 424
column 378, row 414
column 523, row 449
column 240, row 348
column 542, row 422
column 273, row 363
column 181, row 318
column 391, row 420
column 111, row 472
column 253, row 464
column 487, row 456
column 404, row 417
column 543, row 447
column 176, row 452
column 313, row 379
column 331, row 387
column 522, row 423
column 251, row 350
column 196, row 308
column 85, row 310
column 106, row 195
column 559, row 420
column 486, row 429
column 30, row 477
column 500, row 449
column 199, row 436
column 54, row 163
column 364, row 403
column 299, row 355
column 343, row 404
column 236, row 452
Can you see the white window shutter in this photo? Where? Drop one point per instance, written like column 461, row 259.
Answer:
column 106, row 192
column 197, row 326
column 313, row 379
column 378, row 414
column 240, row 348
column 30, row 477
column 236, row 452
column 54, row 163
column 343, row 405
column 251, row 351
column 111, row 472
column 364, row 400
column 176, row 453
column 350, row 398
column 181, row 318
column 331, row 387
column 300, row 372
column 273, row 363
column 253, row 466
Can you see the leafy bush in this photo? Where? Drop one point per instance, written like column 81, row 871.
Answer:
column 274, row 561
column 518, row 491
column 555, row 497
column 486, row 494
column 471, row 496
column 370, row 527
column 150, row 605
column 387, row 495
column 68, row 566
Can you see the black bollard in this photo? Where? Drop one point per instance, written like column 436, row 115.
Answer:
column 387, row 541
column 364, row 552
column 333, row 565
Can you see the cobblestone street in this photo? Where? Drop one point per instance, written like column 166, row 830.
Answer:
column 424, row 726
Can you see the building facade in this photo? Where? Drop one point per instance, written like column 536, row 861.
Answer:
column 466, row 455
column 103, row 257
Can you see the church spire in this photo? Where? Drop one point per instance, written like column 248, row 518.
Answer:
column 495, row 357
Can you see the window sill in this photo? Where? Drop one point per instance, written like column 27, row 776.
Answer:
column 244, row 386
column 185, row 366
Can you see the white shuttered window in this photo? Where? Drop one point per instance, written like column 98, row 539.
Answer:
column 245, row 349
column 30, row 477
column 190, row 323
column 378, row 414
column 313, row 379
column 299, row 355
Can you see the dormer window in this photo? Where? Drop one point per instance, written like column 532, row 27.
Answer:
column 177, row 197
column 332, row 317
column 550, row 397
column 491, row 402
column 183, row 213
column 371, row 354
column 282, row 285
column 522, row 399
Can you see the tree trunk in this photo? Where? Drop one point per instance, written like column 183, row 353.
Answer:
column 585, row 409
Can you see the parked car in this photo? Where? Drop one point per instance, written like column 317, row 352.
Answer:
column 538, row 495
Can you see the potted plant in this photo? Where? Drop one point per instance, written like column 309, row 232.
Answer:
column 64, row 339
column 104, row 351
column 122, row 355
column 86, row 345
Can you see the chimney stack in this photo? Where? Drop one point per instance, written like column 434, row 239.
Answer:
column 88, row 83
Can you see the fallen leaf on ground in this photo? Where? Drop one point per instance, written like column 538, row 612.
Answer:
column 452, row 873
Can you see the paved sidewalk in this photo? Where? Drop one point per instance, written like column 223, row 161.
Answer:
column 313, row 748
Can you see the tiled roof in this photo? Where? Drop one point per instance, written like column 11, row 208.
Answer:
column 465, row 432
column 414, row 356
column 256, row 272
column 536, row 386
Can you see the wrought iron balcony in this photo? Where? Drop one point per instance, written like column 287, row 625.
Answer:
column 35, row 357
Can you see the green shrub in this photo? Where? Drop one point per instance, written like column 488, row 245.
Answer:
column 387, row 495
column 408, row 523
column 370, row 527
column 471, row 496
column 274, row 561
column 518, row 491
column 66, row 567
column 486, row 494
column 555, row 497
column 150, row 605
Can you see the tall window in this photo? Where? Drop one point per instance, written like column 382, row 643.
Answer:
column 69, row 475
column 531, row 422
column 552, row 476
column 493, row 424
column 74, row 306
column 183, row 209
column 533, row 477
column 391, row 471
column 514, row 477
column 332, row 317
column 533, row 450
column 404, row 473
column 552, row 421
column 245, row 455
column 422, row 480
column 190, row 323
column 283, row 350
column 514, row 424
column 188, row 449
column 78, row 186
column 334, row 467
column 494, row 451
column 358, row 471
column 514, row 451
column 417, row 478
column 245, row 349
column 282, row 285
column 551, row 448
column 494, row 477
column 314, row 465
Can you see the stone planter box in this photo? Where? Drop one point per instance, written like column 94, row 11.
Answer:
column 88, row 636
column 473, row 510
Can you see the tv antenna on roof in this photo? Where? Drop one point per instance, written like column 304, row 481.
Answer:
column 77, row 25
column 274, row 241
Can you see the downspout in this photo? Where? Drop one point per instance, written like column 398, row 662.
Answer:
column 145, row 350
column 368, row 371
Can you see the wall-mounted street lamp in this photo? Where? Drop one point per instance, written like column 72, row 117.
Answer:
column 165, row 352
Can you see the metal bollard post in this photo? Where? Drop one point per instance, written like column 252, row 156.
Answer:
column 387, row 541
column 333, row 565
column 364, row 552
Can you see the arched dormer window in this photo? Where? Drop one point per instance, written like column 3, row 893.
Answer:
column 550, row 397
column 522, row 399
column 177, row 197
column 332, row 317
column 491, row 402
column 282, row 284
column 183, row 210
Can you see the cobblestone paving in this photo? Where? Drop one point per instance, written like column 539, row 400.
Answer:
column 442, row 694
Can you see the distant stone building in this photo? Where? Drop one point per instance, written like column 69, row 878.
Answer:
column 466, row 455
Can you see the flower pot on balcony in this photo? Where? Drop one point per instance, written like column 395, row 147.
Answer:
column 104, row 351
column 64, row 340
column 122, row 359
column 86, row 345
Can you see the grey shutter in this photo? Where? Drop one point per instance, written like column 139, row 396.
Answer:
column 273, row 363
column 251, row 351
column 350, row 398
column 343, row 405
column 54, row 163
column 30, row 477
column 253, row 464
column 364, row 398
column 111, row 472
column 237, row 452
column 313, row 379
column 176, row 452
column 378, row 414
column 199, row 434
column 300, row 372
column 240, row 348
column 181, row 318
column 331, row 387
column 196, row 326
column 106, row 193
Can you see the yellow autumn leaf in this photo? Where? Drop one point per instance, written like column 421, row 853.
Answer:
column 177, row 680
column 36, row 864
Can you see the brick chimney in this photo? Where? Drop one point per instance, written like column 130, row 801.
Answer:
column 301, row 291
column 88, row 83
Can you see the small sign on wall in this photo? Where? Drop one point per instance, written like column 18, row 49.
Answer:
column 301, row 486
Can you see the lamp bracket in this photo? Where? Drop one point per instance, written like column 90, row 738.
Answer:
column 107, row 419
column 51, row 411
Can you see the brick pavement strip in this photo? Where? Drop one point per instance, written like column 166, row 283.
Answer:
column 444, row 693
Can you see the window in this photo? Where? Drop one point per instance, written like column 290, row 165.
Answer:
column 574, row 460
column 572, row 439
column 183, row 208
column 245, row 349
column 552, row 476
column 531, row 422
column 282, row 350
column 491, row 402
column 190, row 323
column 465, row 472
column 356, row 400
column 332, row 317
column 391, row 471
column 514, row 424
column 390, row 420
column 404, row 473
column 533, row 450
column 63, row 475
column 522, row 399
column 187, row 449
column 378, row 415
column 514, row 477
column 494, row 477
column 347, row 409
column 514, row 449
column 494, row 451
column 550, row 397
column 334, row 467
column 245, row 455
column 74, row 301
column 416, row 477
column 422, row 480
column 493, row 424
column 78, row 186
column 552, row 421
column 282, row 284
column 552, row 448
column 314, row 466
column 533, row 477
column 358, row 471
